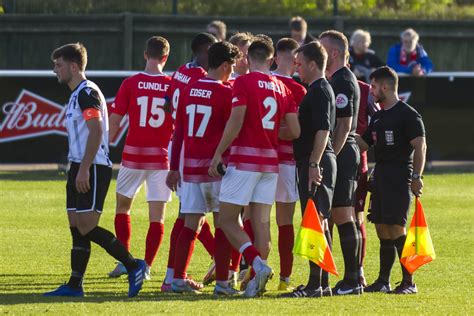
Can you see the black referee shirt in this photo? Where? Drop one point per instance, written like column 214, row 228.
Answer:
column 347, row 92
column 391, row 131
column 317, row 112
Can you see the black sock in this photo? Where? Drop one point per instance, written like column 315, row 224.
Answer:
column 113, row 246
column 80, row 253
column 359, row 249
column 349, row 246
column 325, row 274
column 399, row 243
column 387, row 258
column 314, row 281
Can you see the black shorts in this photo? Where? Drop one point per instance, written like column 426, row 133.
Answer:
column 390, row 201
column 93, row 200
column 347, row 173
column 325, row 192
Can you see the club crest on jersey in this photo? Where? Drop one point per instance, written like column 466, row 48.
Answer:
column 31, row 115
column 341, row 101
column 389, row 139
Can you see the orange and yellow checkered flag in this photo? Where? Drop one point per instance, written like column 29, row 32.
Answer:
column 418, row 249
column 311, row 242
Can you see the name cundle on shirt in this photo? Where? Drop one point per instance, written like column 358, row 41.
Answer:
column 153, row 86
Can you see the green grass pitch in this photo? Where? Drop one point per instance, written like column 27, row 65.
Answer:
column 35, row 245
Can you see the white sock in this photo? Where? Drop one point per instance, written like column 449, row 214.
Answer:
column 258, row 264
column 244, row 246
column 179, row 282
column 169, row 275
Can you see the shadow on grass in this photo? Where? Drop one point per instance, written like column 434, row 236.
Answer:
column 103, row 297
column 38, row 175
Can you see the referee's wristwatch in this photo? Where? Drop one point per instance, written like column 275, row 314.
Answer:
column 313, row 164
column 416, row 176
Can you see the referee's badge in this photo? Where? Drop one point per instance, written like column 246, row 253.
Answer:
column 389, row 139
column 341, row 101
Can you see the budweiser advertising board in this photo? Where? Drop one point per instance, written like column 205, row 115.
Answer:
column 32, row 115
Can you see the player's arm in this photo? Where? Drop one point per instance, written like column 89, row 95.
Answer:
column 232, row 129
column 363, row 146
column 114, row 125
column 343, row 127
column 173, row 180
column 91, row 111
column 291, row 130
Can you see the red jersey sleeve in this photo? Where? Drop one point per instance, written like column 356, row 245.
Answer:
column 120, row 105
column 178, row 136
column 288, row 101
column 239, row 93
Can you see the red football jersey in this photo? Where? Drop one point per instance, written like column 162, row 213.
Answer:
column 142, row 97
column 186, row 74
column 267, row 100
column 285, row 147
column 203, row 110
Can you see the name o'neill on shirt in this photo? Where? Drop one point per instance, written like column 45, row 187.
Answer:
column 201, row 93
column 153, row 86
column 269, row 85
column 182, row 78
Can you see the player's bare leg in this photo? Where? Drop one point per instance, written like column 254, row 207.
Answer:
column 284, row 219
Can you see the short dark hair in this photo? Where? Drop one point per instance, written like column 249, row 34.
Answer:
column 202, row 39
column 385, row 74
column 264, row 37
column 157, row 47
column 338, row 39
column 314, row 51
column 241, row 38
column 261, row 50
column 286, row 44
column 74, row 52
column 222, row 52
column 219, row 26
column 298, row 24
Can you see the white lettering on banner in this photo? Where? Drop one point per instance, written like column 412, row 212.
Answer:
column 269, row 85
column 31, row 115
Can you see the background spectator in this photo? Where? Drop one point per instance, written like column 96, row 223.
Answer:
column 362, row 59
column 299, row 31
column 218, row 29
column 409, row 56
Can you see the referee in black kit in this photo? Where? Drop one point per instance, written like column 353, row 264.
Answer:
column 347, row 92
column 398, row 135
column 314, row 155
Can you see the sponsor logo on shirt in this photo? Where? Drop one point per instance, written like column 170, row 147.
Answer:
column 341, row 101
column 31, row 115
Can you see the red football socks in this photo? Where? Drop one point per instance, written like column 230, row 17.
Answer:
column 250, row 253
column 286, row 238
column 177, row 227
column 123, row 229
column 222, row 256
column 207, row 239
column 235, row 259
column 184, row 252
column 153, row 241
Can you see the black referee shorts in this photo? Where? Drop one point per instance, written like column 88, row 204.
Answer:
column 93, row 200
column 347, row 174
column 392, row 195
column 325, row 192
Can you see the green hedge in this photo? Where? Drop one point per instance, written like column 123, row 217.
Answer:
column 429, row 9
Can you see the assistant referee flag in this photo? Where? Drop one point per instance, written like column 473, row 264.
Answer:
column 418, row 249
column 311, row 242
